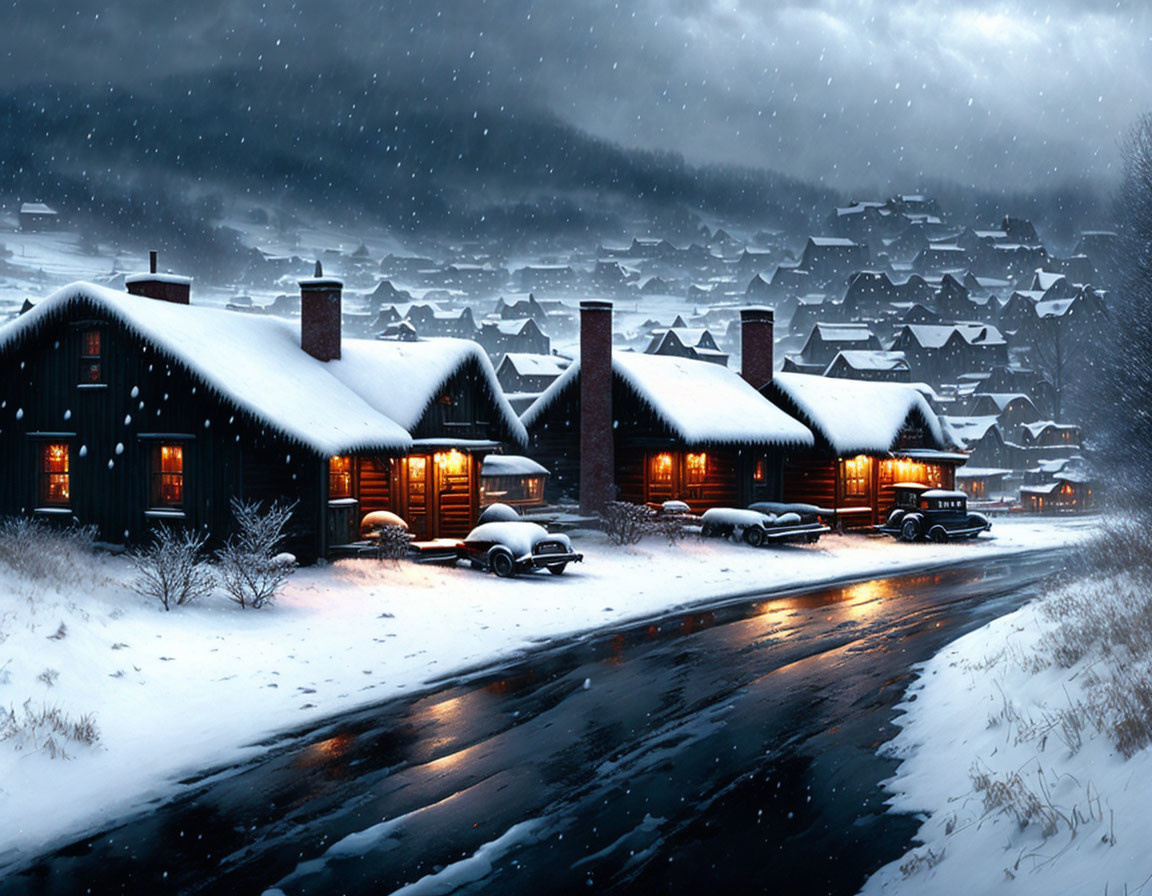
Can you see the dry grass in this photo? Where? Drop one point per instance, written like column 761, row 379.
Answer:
column 45, row 554
column 47, row 728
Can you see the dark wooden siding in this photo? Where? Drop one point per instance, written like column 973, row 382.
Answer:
column 111, row 429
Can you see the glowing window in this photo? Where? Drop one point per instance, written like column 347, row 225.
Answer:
column 167, row 476
column 55, row 475
column 758, row 470
column 857, row 472
column 662, row 467
column 696, row 469
column 340, row 477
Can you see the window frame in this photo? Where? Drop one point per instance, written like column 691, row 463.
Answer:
column 44, row 475
column 91, row 371
column 156, row 475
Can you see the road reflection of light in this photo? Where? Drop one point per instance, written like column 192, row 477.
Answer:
column 325, row 751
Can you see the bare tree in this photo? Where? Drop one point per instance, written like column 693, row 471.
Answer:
column 1124, row 415
column 252, row 568
column 172, row 569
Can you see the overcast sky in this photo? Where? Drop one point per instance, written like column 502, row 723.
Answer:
column 856, row 93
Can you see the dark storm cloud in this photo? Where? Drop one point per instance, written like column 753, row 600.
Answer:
column 851, row 92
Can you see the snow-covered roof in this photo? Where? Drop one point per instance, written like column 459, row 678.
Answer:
column 253, row 361
column 174, row 279
column 831, row 241
column 511, row 465
column 1037, row 429
column 36, row 208
column 981, row 472
column 856, row 416
column 527, row 364
column 863, row 359
column 936, row 335
column 401, row 379
column 1003, row 399
column 700, row 402
column 844, row 332
column 969, row 430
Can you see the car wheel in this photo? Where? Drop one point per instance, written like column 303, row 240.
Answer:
column 910, row 529
column 812, row 539
column 894, row 518
column 754, row 535
column 557, row 569
column 502, row 564
column 938, row 534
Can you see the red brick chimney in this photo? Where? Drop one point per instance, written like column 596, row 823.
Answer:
column 597, row 456
column 756, row 326
column 165, row 287
column 320, row 307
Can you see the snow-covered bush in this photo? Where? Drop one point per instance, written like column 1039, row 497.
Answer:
column 626, row 523
column 392, row 543
column 35, row 550
column 172, row 569
column 48, row 728
column 251, row 567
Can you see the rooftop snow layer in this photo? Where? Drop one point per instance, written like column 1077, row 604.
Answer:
column 525, row 364
column 374, row 368
column 700, row 402
column 255, row 362
column 511, row 465
column 855, row 415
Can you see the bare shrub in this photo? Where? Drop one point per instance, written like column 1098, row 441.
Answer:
column 37, row 551
column 626, row 523
column 47, row 728
column 251, row 567
column 49, row 676
column 172, row 569
column 392, row 543
column 1124, row 545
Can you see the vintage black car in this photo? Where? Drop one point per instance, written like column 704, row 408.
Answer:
column 921, row 513
column 509, row 547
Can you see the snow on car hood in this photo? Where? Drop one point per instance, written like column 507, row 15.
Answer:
column 519, row 537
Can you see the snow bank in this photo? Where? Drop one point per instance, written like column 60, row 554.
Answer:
column 175, row 693
column 1001, row 755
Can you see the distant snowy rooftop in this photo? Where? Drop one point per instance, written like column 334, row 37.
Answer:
column 36, row 208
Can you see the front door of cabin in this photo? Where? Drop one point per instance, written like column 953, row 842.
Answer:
column 417, row 496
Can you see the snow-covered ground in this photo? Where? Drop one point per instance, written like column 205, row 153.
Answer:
column 174, row 693
column 1003, row 754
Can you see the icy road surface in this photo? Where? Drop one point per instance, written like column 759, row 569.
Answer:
column 732, row 749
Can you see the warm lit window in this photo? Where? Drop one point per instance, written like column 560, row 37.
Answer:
column 662, row 467
column 758, row 470
column 168, row 476
column 857, row 471
column 452, row 463
column 340, row 477
column 90, row 354
column 696, row 469
column 55, row 485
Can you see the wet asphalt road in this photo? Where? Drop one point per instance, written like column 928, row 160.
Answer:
column 730, row 750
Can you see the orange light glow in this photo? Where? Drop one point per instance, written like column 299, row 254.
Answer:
column 340, row 477
column 55, row 482
column 168, row 476
column 697, row 468
column 451, row 463
column 662, row 466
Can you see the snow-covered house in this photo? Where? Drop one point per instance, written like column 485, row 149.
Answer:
column 531, row 373
column 829, row 339
column 131, row 411
column 512, row 479
column 869, row 436
column 696, row 343
column 874, row 366
column 935, row 352
column 521, row 335
column 651, row 428
column 36, row 216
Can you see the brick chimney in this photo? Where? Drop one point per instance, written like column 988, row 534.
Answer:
column 597, row 456
column 165, row 287
column 756, row 326
column 320, row 307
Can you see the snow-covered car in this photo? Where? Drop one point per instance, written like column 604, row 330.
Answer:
column 507, row 548
column 757, row 528
column 920, row 513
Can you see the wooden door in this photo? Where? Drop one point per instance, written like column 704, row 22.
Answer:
column 417, row 495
